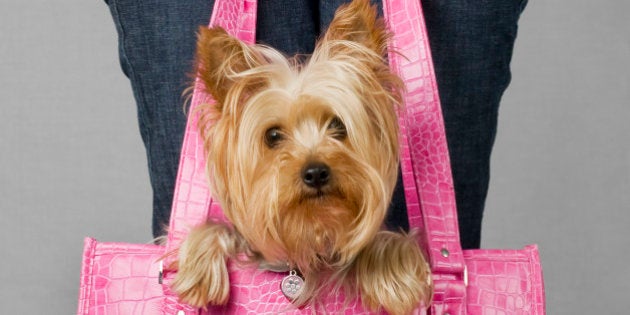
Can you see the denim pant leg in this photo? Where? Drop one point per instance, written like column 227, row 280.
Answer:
column 471, row 44
column 290, row 26
column 156, row 44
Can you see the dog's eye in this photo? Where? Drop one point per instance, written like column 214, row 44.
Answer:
column 273, row 136
column 337, row 129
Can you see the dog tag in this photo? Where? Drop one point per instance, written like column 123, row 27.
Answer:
column 292, row 285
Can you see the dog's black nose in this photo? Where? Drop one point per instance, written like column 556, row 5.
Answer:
column 316, row 174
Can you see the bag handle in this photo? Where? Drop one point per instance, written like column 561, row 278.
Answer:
column 192, row 199
column 425, row 160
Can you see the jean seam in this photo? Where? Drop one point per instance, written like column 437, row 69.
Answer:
column 141, row 102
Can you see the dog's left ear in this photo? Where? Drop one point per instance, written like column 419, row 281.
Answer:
column 358, row 22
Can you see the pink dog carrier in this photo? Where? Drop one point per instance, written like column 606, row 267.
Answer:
column 120, row 278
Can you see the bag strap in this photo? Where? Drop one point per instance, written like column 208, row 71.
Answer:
column 425, row 160
column 192, row 200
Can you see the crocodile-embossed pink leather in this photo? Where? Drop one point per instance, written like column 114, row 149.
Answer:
column 504, row 282
column 258, row 292
column 434, row 207
column 425, row 161
column 121, row 278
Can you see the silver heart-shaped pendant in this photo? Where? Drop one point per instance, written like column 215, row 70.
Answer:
column 292, row 285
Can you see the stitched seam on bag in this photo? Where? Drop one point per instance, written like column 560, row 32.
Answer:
column 534, row 290
column 516, row 260
column 402, row 117
column 90, row 289
column 531, row 283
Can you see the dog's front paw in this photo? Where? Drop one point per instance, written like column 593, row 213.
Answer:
column 393, row 274
column 202, row 276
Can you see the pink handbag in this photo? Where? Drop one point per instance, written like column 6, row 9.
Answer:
column 120, row 278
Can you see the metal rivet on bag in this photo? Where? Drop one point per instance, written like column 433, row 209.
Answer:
column 161, row 273
column 445, row 253
column 465, row 276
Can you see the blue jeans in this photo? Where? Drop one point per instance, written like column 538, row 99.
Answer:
column 471, row 42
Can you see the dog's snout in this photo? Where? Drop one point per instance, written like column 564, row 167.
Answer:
column 316, row 175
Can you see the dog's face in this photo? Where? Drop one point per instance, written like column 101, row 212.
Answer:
column 304, row 158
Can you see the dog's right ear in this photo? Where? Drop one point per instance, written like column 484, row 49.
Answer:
column 359, row 22
column 220, row 58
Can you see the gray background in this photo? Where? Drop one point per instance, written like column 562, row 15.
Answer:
column 72, row 162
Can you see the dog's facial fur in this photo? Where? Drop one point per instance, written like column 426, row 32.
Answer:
column 304, row 160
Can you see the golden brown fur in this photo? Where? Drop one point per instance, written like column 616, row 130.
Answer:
column 272, row 119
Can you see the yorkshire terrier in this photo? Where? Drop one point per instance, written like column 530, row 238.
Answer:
column 304, row 161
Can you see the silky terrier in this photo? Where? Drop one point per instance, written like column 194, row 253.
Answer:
column 303, row 156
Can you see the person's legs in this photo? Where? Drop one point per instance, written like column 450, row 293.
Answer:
column 471, row 44
column 156, row 46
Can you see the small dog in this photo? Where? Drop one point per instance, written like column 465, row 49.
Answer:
column 304, row 160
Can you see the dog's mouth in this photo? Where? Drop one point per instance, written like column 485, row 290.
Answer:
column 315, row 225
column 322, row 195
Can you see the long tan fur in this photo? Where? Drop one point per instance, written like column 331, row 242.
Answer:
column 337, row 109
column 202, row 275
